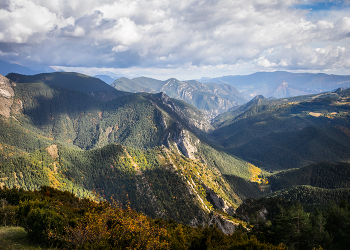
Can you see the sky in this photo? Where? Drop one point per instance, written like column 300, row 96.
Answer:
column 185, row 39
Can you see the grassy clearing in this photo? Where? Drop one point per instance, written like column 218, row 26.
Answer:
column 16, row 238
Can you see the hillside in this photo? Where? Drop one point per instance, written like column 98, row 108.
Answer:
column 67, row 139
column 323, row 175
column 158, row 182
column 52, row 219
column 315, row 185
column 281, row 84
column 212, row 98
column 159, row 154
column 289, row 133
column 314, row 197
column 72, row 81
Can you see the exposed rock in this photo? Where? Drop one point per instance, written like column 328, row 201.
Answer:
column 262, row 213
column 213, row 98
column 181, row 138
column 53, row 151
column 224, row 225
column 217, row 201
column 6, row 96
column 194, row 118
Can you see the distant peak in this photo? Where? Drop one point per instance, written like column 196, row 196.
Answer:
column 162, row 96
column 259, row 97
column 172, row 79
column 339, row 90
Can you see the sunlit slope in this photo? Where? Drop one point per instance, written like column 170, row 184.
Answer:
column 159, row 182
column 164, row 167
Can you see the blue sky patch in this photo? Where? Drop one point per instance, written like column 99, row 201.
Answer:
column 323, row 5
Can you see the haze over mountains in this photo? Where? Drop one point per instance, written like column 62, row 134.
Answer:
column 281, row 84
column 212, row 98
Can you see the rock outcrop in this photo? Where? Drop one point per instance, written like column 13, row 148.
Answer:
column 6, row 96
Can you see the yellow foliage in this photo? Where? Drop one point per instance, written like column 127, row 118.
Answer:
column 121, row 228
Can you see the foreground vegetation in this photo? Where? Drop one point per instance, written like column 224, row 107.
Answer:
column 275, row 220
column 14, row 237
column 60, row 219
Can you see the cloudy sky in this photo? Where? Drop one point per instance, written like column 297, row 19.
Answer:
column 186, row 39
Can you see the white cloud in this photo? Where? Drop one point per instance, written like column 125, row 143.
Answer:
column 263, row 62
column 262, row 34
column 120, row 48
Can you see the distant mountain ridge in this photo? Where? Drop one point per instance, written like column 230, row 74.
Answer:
column 107, row 79
column 212, row 98
column 289, row 132
column 281, row 84
column 7, row 67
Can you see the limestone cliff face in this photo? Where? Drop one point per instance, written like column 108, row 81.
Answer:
column 182, row 140
column 6, row 96
column 224, row 225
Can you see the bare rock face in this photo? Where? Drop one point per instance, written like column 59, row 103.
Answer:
column 224, row 225
column 194, row 120
column 217, row 201
column 182, row 140
column 53, row 151
column 6, row 96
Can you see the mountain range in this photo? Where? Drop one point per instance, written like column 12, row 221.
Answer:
column 288, row 133
column 281, row 84
column 165, row 157
column 146, row 149
column 211, row 98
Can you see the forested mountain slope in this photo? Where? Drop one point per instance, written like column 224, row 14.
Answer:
column 323, row 175
column 67, row 139
column 72, row 81
column 289, row 133
column 315, row 185
column 212, row 98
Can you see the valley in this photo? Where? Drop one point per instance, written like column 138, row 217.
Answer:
column 175, row 150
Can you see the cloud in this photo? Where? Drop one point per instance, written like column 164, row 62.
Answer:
column 264, row 34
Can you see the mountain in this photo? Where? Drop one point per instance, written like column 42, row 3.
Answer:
column 107, row 79
column 7, row 67
column 315, row 185
column 72, row 81
column 323, row 175
column 228, row 116
column 146, row 149
column 281, row 84
column 160, row 154
column 212, row 98
column 288, row 133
